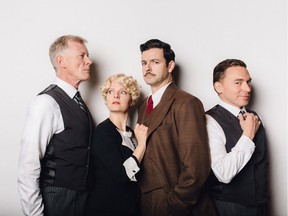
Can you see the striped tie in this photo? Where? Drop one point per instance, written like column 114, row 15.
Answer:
column 78, row 99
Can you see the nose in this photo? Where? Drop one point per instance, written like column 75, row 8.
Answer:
column 88, row 61
column 146, row 67
column 116, row 94
column 247, row 87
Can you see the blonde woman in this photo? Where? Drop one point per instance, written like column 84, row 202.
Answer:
column 117, row 151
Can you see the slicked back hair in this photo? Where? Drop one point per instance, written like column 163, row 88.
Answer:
column 168, row 53
column 220, row 68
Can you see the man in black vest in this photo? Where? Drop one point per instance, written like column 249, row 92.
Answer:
column 53, row 171
column 237, row 139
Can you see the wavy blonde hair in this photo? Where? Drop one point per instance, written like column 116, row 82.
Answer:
column 131, row 85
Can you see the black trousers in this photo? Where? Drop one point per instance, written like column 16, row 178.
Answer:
column 234, row 209
column 60, row 201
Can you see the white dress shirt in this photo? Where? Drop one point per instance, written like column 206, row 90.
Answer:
column 43, row 119
column 156, row 97
column 227, row 165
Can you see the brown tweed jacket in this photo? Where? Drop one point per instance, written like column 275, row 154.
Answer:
column 177, row 157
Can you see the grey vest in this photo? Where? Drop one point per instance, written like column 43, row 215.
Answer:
column 66, row 160
column 250, row 186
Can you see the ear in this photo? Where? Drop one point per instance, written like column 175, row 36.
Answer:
column 218, row 87
column 60, row 61
column 171, row 66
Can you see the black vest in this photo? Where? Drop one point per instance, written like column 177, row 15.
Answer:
column 66, row 160
column 250, row 186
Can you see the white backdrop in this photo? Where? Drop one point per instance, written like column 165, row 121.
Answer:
column 202, row 33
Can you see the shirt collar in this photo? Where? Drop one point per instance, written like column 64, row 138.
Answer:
column 156, row 97
column 66, row 87
column 234, row 110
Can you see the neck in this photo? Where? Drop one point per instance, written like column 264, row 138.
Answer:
column 70, row 80
column 119, row 120
column 156, row 88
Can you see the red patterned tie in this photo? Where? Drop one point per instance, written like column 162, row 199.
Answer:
column 149, row 105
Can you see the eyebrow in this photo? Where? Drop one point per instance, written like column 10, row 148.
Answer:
column 154, row 59
column 84, row 53
column 243, row 80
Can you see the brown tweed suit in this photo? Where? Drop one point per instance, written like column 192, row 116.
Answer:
column 177, row 162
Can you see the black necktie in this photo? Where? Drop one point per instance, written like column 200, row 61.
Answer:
column 78, row 99
column 242, row 112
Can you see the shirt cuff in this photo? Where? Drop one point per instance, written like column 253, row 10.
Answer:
column 135, row 158
column 131, row 168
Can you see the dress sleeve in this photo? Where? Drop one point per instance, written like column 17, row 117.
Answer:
column 107, row 144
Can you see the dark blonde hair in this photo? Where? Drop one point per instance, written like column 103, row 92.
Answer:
column 128, row 82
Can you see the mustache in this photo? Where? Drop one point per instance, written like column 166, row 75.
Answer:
column 148, row 73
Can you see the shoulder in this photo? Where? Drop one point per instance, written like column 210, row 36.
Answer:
column 48, row 89
column 106, row 127
column 43, row 103
column 176, row 93
column 43, row 108
column 251, row 111
column 105, row 135
column 185, row 97
column 210, row 120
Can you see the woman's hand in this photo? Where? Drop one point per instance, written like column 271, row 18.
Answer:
column 141, row 136
column 141, row 133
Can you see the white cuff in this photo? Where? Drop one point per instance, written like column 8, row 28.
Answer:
column 131, row 168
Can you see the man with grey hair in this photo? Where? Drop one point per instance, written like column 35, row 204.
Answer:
column 53, row 174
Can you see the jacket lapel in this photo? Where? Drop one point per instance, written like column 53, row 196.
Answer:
column 160, row 111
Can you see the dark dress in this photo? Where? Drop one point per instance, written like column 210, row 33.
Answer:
column 113, row 193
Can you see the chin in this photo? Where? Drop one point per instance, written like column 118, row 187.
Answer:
column 86, row 78
column 244, row 104
column 149, row 82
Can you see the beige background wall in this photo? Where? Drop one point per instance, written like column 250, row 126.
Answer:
column 202, row 33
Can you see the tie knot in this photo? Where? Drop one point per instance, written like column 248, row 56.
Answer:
column 150, row 100
column 242, row 112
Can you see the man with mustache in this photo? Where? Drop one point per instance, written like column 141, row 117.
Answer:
column 239, row 183
column 176, row 164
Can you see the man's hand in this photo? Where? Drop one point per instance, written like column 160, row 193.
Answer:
column 249, row 124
